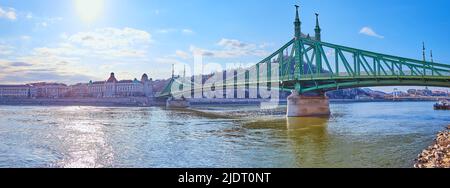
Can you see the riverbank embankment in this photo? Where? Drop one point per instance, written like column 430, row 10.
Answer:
column 147, row 102
column 126, row 101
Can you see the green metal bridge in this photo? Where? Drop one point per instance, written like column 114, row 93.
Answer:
column 307, row 64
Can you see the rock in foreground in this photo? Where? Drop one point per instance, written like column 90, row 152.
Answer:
column 437, row 155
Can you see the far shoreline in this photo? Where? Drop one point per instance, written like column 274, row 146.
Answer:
column 153, row 102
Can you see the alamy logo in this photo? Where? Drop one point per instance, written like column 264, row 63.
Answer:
column 259, row 81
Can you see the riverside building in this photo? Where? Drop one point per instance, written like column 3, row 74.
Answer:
column 110, row 88
column 14, row 91
column 124, row 88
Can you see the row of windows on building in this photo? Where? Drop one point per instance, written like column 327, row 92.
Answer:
column 109, row 88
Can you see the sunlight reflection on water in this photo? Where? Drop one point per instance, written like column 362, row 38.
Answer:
column 356, row 135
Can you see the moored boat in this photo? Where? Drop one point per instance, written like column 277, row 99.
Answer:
column 442, row 105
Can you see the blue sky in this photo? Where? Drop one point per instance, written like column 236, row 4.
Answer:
column 74, row 41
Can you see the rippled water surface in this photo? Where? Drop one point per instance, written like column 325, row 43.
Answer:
column 384, row 134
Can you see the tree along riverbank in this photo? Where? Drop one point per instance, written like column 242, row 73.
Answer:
column 438, row 154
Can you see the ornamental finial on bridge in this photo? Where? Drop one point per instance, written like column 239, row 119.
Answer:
column 173, row 71
column 423, row 51
column 317, row 29
column 431, row 55
column 297, row 23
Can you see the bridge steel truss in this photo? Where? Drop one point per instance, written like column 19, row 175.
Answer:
column 309, row 65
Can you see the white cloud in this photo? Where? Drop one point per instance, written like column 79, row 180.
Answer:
column 41, row 23
column 199, row 51
column 232, row 48
column 167, row 61
column 370, row 32
column 38, row 69
column 29, row 15
column 6, row 50
column 25, row 37
column 55, row 19
column 173, row 30
column 265, row 45
column 103, row 43
column 182, row 54
column 63, row 36
column 64, row 50
column 165, row 31
column 79, row 56
column 110, row 38
column 231, row 43
column 187, row 31
column 8, row 13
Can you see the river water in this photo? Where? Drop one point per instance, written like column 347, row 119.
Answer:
column 378, row 134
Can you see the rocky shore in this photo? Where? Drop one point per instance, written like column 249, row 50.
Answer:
column 438, row 154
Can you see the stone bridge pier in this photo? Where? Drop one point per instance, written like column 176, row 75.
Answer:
column 307, row 105
column 177, row 103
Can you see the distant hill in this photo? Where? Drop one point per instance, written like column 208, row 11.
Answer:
column 355, row 93
column 159, row 85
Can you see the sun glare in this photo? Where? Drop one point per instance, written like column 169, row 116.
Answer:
column 89, row 10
